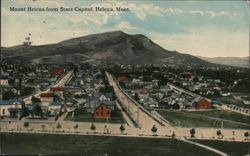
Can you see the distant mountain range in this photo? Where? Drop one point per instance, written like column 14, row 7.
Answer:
column 115, row 46
column 229, row 61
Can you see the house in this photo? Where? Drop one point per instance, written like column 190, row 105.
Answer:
column 102, row 111
column 57, row 71
column 10, row 108
column 46, row 98
column 201, row 103
column 104, row 99
column 4, row 82
column 57, row 90
column 122, row 79
column 54, row 108
column 143, row 94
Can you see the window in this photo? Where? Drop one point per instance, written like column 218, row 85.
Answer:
column 97, row 113
column 101, row 113
column 107, row 112
column 3, row 111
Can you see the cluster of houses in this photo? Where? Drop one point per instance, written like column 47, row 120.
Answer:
column 166, row 97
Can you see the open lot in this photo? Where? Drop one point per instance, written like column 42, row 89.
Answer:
column 186, row 119
column 231, row 148
column 226, row 115
column 23, row 144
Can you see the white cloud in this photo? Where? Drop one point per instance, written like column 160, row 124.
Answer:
column 141, row 11
column 124, row 26
column 213, row 14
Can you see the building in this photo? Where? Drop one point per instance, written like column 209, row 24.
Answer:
column 201, row 103
column 46, row 98
column 102, row 111
column 4, row 82
column 10, row 108
column 57, row 71
column 57, row 90
column 122, row 79
column 103, row 99
column 143, row 94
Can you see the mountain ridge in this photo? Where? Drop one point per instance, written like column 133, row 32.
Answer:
column 115, row 46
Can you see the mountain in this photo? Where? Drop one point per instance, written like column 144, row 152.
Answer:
column 115, row 46
column 242, row 62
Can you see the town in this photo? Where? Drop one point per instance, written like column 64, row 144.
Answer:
column 99, row 98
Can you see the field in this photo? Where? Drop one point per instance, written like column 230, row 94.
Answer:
column 186, row 119
column 24, row 144
column 226, row 115
column 231, row 148
column 83, row 116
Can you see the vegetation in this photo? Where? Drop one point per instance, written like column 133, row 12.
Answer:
column 43, row 127
column 122, row 129
column 192, row 132
column 231, row 148
column 219, row 134
column 188, row 120
column 26, row 124
column 154, row 130
column 48, row 144
column 76, row 126
column 92, row 127
column 227, row 115
column 58, row 126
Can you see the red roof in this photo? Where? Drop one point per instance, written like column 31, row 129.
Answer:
column 43, row 95
column 57, row 71
column 144, row 92
column 122, row 78
column 57, row 89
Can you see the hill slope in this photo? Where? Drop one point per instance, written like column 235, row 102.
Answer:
column 229, row 61
column 115, row 46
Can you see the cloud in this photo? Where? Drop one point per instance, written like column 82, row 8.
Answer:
column 143, row 10
column 124, row 26
column 213, row 14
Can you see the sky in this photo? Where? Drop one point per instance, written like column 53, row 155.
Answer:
column 200, row 28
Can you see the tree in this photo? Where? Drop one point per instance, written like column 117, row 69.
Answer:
column 246, row 135
column 26, row 124
column 176, row 106
column 76, row 126
column 35, row 99
column 173, row 134
column 192, row 132
column 219, row 134
column 37, row 110
column 122, row 129
column 137, row 97
column 8, row 95
column 154, row 130
column 92, row 127
column 43, row 127
column 58, row 126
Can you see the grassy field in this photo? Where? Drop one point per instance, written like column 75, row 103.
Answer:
column 227, row 115
column 231, row 148
column 83, row 116
column 187, row 120
column 27, row 144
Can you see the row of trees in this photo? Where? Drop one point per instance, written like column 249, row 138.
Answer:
column 153, row 129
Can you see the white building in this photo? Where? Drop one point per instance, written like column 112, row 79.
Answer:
column 4, row 82
column 5, row 106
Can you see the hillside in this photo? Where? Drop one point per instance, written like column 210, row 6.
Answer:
column 115, row 46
